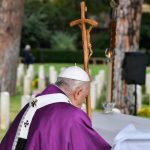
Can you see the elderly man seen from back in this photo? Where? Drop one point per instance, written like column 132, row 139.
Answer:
column 54, row 119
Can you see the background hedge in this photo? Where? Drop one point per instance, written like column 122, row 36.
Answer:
column 47, row 55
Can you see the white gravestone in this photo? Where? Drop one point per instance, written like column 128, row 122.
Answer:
column 20, row 74
column 27, row 85
column 97, row 82
column 52, row 74
column 41, row 78
column 4, row 110
column 83, row 107
column 147, row 84
column 30, row 71
column 24, row 100
column 139, row 97
column 93, row 94
column 100, row 81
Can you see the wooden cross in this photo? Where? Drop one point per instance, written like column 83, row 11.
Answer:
column 86, row 45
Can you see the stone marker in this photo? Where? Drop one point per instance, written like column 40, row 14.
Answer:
column 100, row 81
column 30, row 71
column 24, row 100
column 93, row 94
column 20, row 74
column 147, row 84
column 52, row 74
column 139, row 97
column 41, row 78
column 4, row 110
column 27, row 85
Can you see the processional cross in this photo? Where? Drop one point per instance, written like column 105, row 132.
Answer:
column 87, row 47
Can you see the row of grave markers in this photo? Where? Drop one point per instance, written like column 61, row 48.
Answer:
column 97, row 86
column 29, row 76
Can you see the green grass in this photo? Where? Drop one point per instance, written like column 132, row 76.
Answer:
column 15, row 106
column 145, row 106
column 2, row 133
column 148, row 70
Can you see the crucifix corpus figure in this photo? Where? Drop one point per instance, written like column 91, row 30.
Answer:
column 87, row 47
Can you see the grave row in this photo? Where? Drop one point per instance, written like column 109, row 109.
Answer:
column 27, row 77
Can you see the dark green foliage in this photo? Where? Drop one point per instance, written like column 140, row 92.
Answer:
column 35, row 27
column 44, row 17
column 63, row 41
column 62, row 56
column 57, row 56
column 100, row 39
column 145, row 32
column 147, row 1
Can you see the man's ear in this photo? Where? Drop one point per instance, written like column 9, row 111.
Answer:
column 78, row 93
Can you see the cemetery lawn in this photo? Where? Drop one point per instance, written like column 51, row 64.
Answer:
column 2, row 133
column 148, row 69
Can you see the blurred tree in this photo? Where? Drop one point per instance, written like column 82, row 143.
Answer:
column 35, row 27
column 44, row 17
column 11, row 12
column 128, row 29
column 63, row 41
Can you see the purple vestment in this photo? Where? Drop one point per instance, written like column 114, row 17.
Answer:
column 58, row 126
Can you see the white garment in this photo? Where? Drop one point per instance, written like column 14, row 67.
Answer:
column 131, row 139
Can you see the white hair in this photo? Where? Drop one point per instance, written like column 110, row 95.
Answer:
column 71, row 84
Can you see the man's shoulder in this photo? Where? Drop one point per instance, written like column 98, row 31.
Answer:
column 63, row 107
column 64, row 110
column 71, row 112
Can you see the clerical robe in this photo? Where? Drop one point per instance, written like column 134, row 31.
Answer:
column 56, row 126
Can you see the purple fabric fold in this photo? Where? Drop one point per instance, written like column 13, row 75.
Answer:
column 58, row 126
column 51, row 89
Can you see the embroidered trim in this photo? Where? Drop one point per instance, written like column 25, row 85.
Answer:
column 34, row 105
column 19, row 129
